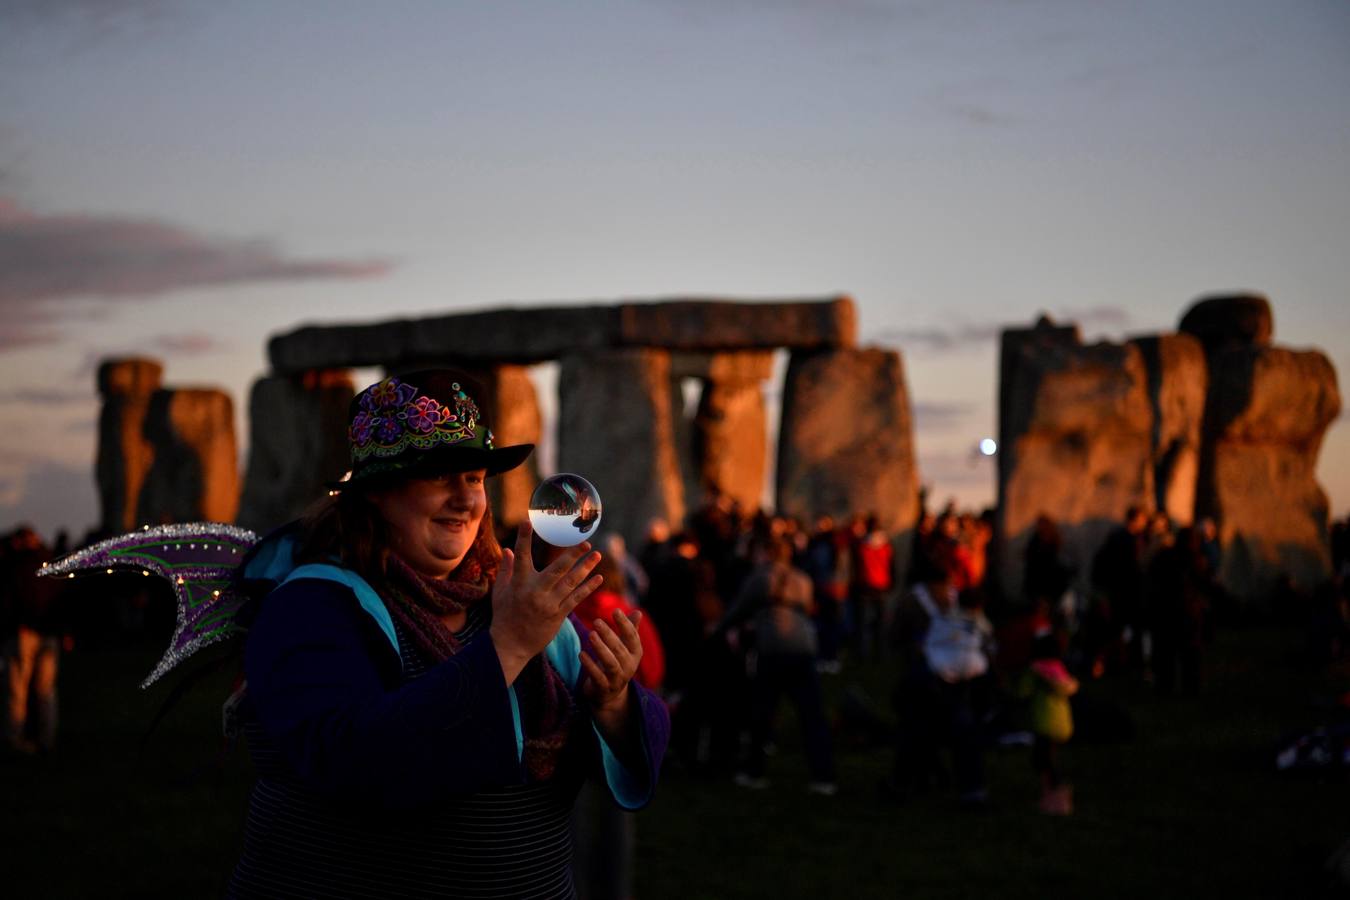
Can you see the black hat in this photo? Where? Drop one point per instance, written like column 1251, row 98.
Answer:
column 424, row 421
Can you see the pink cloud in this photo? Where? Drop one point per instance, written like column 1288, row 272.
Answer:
column 189, row 344
column 55, row 257
column 16, row 337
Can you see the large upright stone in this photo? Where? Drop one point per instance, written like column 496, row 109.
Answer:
column 845, row 443
column 511, row 406
column 730, row 442
column 195, row 475
column 1267, row 412
column 1178, row 379
column 1075, row 442
column 516, row 420
column 615, row 428
column 124, row 453
column 298, row 426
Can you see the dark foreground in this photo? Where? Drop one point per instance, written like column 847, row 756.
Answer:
column 1191, row 807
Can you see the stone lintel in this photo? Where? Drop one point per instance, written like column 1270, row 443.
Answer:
column 525, row 335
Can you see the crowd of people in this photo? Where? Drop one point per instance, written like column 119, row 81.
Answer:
column 751, row 608
column 744, row 609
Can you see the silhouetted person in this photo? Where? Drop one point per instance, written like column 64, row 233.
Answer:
column 1046, row 576
column 777, row 598
column 1178, row 592
column 1116, row 619
column 944, row 643
column 32, row 644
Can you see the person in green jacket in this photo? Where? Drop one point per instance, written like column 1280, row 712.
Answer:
column 1049, row 685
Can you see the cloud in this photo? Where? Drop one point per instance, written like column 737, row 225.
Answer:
column 1102, row 316
column 47, row 396
column 17, row 337
column 936, row 416
column 48, row 258
column 188, row 344
column 48, row 495
column 941, row 339
column 962, row 336
column 955, row 471
column 84, row 23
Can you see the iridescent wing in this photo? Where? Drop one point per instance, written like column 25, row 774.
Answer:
column 198, row 559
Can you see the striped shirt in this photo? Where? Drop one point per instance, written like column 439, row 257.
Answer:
column 505, row 842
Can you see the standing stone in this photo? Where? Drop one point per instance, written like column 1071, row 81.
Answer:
column 846, row 443
column 1178, row 379
column 1228, row 321
column 1075, row 442
column 730, row 441
column 195, row 475
column 511, row 406
column 298, row 426
column 515, row 420
column 124, row 453
column 615, row 428
column 1267, row 413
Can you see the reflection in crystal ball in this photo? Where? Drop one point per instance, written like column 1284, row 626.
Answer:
column 565, row 509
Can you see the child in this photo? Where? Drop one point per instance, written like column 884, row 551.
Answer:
column 1050, row 686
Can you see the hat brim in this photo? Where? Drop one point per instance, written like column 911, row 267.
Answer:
column 439, row 460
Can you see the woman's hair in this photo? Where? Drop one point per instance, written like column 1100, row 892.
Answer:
column 347, row 527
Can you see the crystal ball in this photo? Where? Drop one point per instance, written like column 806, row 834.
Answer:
column 565, row 509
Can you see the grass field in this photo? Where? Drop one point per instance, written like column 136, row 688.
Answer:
column 1192, row 807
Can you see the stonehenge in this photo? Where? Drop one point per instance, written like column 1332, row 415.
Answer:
column 1212, row 421
column 1075, row 440
column 621, row 418
column 164, row 454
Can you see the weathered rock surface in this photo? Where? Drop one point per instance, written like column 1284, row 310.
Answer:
column 845, row 443
column 1178, row 379
column 298, row 426
column 195, row 474
column 1075, row 441
column 124, row 453
column 534, row 334
column 515, row 420
column 615, row 428
column 1267, row 413
column 731, row 441
column 710, row 325
column 1228, row 321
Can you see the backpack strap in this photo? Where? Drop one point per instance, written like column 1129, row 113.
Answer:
column 365, row 594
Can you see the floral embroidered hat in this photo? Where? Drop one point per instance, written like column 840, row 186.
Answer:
column 427, row 421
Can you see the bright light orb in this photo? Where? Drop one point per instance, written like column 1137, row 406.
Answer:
column 988, row 446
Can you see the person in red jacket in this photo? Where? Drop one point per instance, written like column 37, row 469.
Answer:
column 612, row 597
column 604, row 836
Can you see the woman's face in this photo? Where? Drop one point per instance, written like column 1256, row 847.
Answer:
column 433, row 521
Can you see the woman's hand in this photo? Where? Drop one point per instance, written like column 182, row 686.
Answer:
column 610, row 663
column 528, row 607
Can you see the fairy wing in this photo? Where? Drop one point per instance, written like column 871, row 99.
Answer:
column 198, row 559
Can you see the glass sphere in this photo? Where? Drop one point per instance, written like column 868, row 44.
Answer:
column 565, row 509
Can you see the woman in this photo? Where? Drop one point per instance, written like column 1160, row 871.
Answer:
column 777, row 598
column 420, row 708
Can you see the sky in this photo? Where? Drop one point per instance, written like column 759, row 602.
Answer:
column 184, row 179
